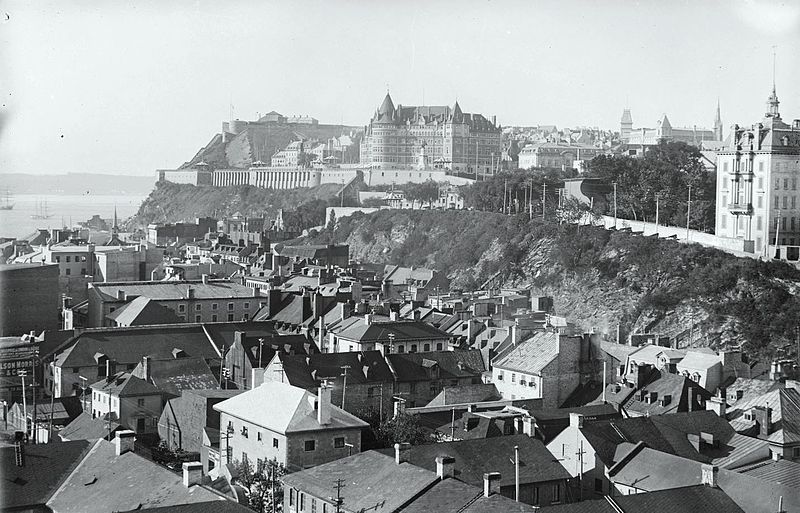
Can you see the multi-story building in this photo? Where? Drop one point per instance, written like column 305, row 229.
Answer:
column 132, row 402
column 29, row 298
column 440, row 137
column 289, row 424
column 638, row 140
column 757, row 175
column 556, row 155
column 192, row 301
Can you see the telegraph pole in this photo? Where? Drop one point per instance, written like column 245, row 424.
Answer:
column 339, row 500
column 544, row 196
column 656, row 214
column 344, row 383
column 615, row 204
column 688, row 211
column 516, row 473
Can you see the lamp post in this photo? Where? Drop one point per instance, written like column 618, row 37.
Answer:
column 615, row 204
column 688, row 211
column 656, row 214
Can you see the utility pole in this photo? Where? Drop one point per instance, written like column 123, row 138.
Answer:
column 33, row 388
column 688, row 211
column 52, row 400
column 339, row 500
column 777, row 232
column 656, row 214
column 544, row 196
column 22, row 374
column 453, row 425
column 580, row 454
column 615, row 204
column 260, row 349
column 505, row 193
column 530, row 202
column 344, row 383
column 516, row 473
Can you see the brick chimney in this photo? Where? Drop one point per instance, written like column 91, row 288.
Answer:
column 146, row 368
column 763, row 415
column 717, row 405
column 192, row 473
column 576, row 420
column 491, row 483
column 401, row 452
column 445, row 467
column 709, row 475
column 124, row 441
column 324, row 405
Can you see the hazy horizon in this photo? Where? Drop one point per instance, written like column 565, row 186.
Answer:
column 128, row 88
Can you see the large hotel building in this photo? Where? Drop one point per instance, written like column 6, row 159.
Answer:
column 757, row 185
column 439, row 137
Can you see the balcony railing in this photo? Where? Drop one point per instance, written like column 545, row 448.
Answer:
column 741, row 208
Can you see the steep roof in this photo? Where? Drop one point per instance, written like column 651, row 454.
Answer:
column 689, row 499
column 165, row 290
column 202, row 507
column 781, row 471
column 403, row 331
column 785, row 414
column 284, row 408
column 451, row 364
column 174, row 375
column 451, row 495
column 305, row 371
column 123, row 384
column 96, row 484
column 46, row 467
column 461, row 394
column 375, row 479
column 143, row 311
column 84, row 427
column 531, row 356
column 477, row 456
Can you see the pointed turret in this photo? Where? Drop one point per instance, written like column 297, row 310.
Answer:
column 665, row 122
column 625, row 125
column 718, row 124
column 387, row 107
column 457, row 114
column 772, row 105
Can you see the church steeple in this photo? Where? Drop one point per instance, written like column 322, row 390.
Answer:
column 772, row 100
column 115, row 229
column 718, row 124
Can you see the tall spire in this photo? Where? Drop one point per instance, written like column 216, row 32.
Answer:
column 718, row 124
column 772, row 101
column 116, row 226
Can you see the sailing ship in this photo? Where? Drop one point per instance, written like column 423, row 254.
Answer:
column 41, row 211
column 6, row 203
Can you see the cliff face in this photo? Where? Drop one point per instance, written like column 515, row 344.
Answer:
column 170, row 203
column 598, row 279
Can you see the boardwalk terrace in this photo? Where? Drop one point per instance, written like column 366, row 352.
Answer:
column 441, row 137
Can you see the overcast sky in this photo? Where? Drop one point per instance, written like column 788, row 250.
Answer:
column 128, row 87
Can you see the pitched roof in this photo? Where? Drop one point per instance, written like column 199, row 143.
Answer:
column 284, row 408
column 461, row 394
column 781, row 471
column 105, row 482
column 46, row 467
column 666, row 384
column 699, row 360
column 128, row 345
column 785, row 414
column 451, row 495
column 143, row 311
column 373, row 479
column 403, row 331
column 84, row 427
column 123, row 384
column 202, row 507
column 531, row 356
column 477, row 456
column 305, row 371
column 165, row 290
column 451, row 364
column 174, row 375
column 620, row 352
column 688, row 499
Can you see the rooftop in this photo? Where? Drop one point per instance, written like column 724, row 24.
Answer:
column 174, row 290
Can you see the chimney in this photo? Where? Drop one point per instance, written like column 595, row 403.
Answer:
column 529, row 426
column 124, row 441
column 146, row 368
column 399, row 407
column 416, row 315
column 717, row 405
column 121, row 295
column 190, row 293
column 491, row 483
column 690, row 402
column 576, row 420
column 401, row 452
column 445, row 467
column 192, row 473
column 344, row 311
column 709, row 475
column 367, row 319
column 324, row 405
column 763, row 415
column 393, row 316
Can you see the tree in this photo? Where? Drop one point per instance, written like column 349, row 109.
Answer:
column 425, row 192
column 262, row 484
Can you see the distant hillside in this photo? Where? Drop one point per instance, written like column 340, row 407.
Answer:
column 169, row 202
column 77, row 183
column 698, row 295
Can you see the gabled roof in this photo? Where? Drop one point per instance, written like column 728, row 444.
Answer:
column 403, row 331
column 202, row 507
column 531, row 356
column 46, row 467
column 453, row 496
column 619, row 352
column 123, row 384
column 306, row 371
column 84, row 427
column 143, row 311
column 374, row 479
column 699, row 360
column 166, row 290
column 284, row 408
column 689, row 499
column 673, row 385
column 478, row 456
column 781, row 471
column 451, row 364
column 174, row 375
column 96, row 484
column 461, row 394
column 785, row 414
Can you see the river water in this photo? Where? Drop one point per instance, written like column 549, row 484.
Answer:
column 63, row 210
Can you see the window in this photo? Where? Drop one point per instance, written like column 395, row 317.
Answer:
column 794, row 184
column 760, row 201
column 598, row 485
column 140, row 402
column 244, row 457
column 500, row 376
column 259, row 436
column 198, row 307
column 785, row 183
column 777, row 183
column 556, row 493
column 302, row 501
column 275, row 443
column 338, row 442
column 783, row 223
column 723, row 221
column 83, row 270
column 401, row 348
column 536, row 495
column 214, row 318
column 785, row 202
column 68, row 258
column 759, row 221
column 426, row 347
column 214, row 306
column 230, row 317
column 439, row 346
column 794, row 201
column 246, row 305
column 68, row 271
column 761, row 166
column 313, row 505
column 181, row 308
column 310, row 445
column 291, row 496
column 230, row 307
column 197, row 318
column 58, row 259
column 761, row 180
column 513, row 377
column 244, row 432
column 413, row 348
column 76, row 370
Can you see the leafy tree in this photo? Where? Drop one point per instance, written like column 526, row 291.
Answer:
column 260, row 482
column 404, row 428
column 425, row 192
column 373, row 202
